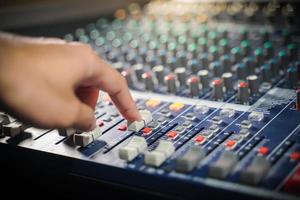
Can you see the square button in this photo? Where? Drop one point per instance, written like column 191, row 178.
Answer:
column 176, row 106
column 152, row 103
column 147, row 131
column 187, row 124
column 123, row 127
column 180, row 129
column 190, row 116
column 153, row 124
column 172, row 134
column 200, row 139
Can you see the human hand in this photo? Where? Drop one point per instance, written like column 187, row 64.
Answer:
column 53, row 84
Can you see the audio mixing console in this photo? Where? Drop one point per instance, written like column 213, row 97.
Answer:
column 217, row 85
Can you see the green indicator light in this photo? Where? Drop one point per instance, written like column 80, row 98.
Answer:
column 236, row 50
column 192, row 47
column 202, row 41
column 127, row 36
column 223, row 42
column 282, row 53
column 245, row 43
column 258, row 52
column 213, row 49
column 268, row 45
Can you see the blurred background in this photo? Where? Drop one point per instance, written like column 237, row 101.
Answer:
column 45, row 17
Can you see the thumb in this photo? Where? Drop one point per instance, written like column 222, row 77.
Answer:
column 85, row 119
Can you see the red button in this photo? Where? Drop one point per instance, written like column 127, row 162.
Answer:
column 122, row 128
column 243, row 84
column 147, row 131
column 293, row 183
column 170, row 77
column 263, row 150
column 217, row 82
column 101, row 124
column 230, row 143
column 193, row 79
column 200, row 139
column 295, row 156
column 172, row 134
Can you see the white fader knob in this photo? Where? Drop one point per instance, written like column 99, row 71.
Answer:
column 85, row 138
column 162, row 152
column 138, row 125
column 66, row 132
column 136, row 146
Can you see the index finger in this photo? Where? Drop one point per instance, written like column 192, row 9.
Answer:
column 112, row 82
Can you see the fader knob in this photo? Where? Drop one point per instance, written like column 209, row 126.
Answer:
column 159, row 73
column 283, row 59
column 216, row 68
column 213, row 53
column 236, row 54
column 266, row 73
column 243, row 93
column 292, row 77
column 204, row 60
column 274, row 64
column 269, row 49
column 139, row 70
column 245, row 45
column 224, row 46
column 162, row 55
column 226, row 63
column 194, row 66
column 148, row 81
column 241, row 71
column 172, row 62
column 193, row 83
column 250, row 65
column 217, row 89
column 259, row 56
column 253, row 83
column 171, row 83
column 181, row 75
column 204, row 79
column 228, row 81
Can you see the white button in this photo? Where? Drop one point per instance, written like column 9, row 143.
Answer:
column 83, row 139
column 201, row 109
column 244, row 132
column 136, row 145
column 214, row 128
column 256, row 116
column 227, row 113
column 224, row 165
column 163, row 151
column 217, row 120
column 246, row 124
column 13, row 129
column 256, row 171
column 66, row 132
column 138, row 125
column 207, row 133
